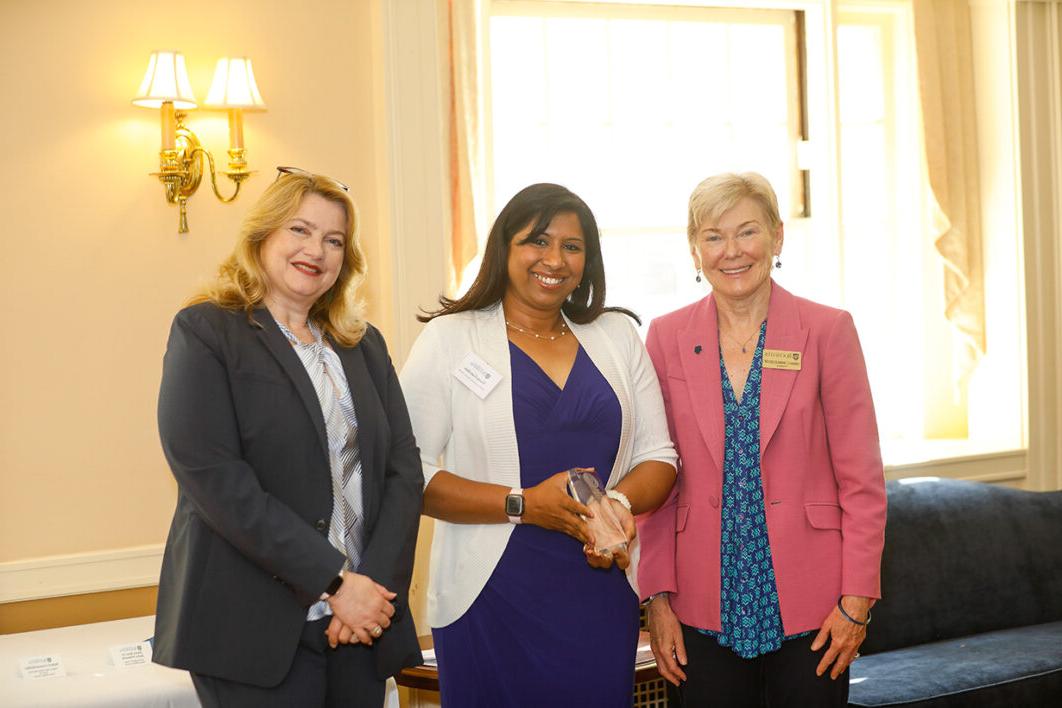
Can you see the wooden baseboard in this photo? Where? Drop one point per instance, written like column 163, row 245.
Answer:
column 76, row 609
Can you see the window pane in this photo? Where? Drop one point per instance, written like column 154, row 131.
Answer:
column 884, row 250
column 631, row 113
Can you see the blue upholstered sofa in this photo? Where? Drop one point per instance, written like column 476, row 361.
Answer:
column 972, row 608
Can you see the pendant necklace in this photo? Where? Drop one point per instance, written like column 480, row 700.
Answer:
column 747, row 340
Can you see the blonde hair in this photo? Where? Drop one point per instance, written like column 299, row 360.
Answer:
column 718, row 194
column 241, row 283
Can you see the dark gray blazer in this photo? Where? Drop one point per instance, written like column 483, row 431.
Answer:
column 248, row 552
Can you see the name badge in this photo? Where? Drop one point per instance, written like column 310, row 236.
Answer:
column 477, row 375
column 781, row 359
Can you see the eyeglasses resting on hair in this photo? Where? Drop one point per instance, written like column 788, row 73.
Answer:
column 284, row 170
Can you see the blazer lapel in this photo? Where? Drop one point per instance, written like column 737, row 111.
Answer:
column 699, row 352
column 280, row 348
column 785, row 332
column 367, row 408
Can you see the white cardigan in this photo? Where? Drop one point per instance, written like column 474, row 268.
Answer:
column 476, row 439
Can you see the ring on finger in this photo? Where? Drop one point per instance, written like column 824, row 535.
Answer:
column 376, row 631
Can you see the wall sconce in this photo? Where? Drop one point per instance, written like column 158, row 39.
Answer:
column 165, row 86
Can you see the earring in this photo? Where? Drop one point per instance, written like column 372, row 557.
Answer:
column 777, row 262
column 698, row 275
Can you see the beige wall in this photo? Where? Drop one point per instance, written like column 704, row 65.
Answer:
column 95, row 269
column 93, row 266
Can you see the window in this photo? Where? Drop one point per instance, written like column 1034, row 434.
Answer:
column 631, row 106
column 890, row 273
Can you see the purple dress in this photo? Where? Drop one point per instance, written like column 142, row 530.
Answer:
column 547, row 629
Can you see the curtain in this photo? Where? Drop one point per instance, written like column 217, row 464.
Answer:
column 469, row 131
column 945, row 76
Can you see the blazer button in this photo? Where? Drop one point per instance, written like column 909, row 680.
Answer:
column 321, row 525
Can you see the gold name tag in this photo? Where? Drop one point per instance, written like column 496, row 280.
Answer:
column 779, row 359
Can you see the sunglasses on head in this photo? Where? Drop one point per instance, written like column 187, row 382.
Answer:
column 285, row 170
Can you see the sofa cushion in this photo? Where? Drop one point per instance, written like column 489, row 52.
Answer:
column 963, row 558
column 1010, row 667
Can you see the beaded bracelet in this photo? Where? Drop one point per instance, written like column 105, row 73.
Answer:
column 852, row 619
column 620, row 497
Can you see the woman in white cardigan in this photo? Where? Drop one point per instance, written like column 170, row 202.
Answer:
column 524, row 377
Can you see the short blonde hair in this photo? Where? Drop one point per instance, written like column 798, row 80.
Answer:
column 241, row 282
column 718, row 194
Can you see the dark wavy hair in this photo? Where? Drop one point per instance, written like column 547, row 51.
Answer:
column 536, row 206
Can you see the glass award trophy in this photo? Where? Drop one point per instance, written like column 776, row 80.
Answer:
column 604, row 524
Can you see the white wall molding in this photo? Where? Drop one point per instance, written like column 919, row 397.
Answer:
column 1038, row 28
column 79, row 573
column 418, row 161
column 1010, row 467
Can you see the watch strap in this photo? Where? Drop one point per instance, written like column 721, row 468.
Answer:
column 515, row 492
column 333, row 587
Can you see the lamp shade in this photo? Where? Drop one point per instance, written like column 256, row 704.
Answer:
column 166, row 79
column 234, row 86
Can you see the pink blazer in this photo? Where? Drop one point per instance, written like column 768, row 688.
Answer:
column 823, row 481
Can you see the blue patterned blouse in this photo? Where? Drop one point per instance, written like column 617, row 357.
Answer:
column 751, row 620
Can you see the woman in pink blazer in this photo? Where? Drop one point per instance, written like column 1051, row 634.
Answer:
column 762, row 566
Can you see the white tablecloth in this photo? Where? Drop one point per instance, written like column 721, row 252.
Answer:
column 91, row 679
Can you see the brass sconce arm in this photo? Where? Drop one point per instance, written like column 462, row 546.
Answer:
column 181, row 171
column 237, row 176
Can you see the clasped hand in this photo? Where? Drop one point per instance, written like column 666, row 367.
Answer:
column 361, row 611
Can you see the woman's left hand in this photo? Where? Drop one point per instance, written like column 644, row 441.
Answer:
column 620, row 556
column 339, row 633
column 845, row 636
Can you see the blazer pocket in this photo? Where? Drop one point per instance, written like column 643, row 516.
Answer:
column 823, row 515
column 682, row 513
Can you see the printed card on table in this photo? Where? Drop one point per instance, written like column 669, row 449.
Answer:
column 126, row 655
column 42, row 667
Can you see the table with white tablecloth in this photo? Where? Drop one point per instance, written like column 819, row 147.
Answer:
column 92, row 679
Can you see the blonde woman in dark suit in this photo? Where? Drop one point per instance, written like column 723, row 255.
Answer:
column 299, row 482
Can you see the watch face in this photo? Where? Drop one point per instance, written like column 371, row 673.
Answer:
column 514, row 505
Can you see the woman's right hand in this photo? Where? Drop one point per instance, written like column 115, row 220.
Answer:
column 665, row 639
column 548, row 505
